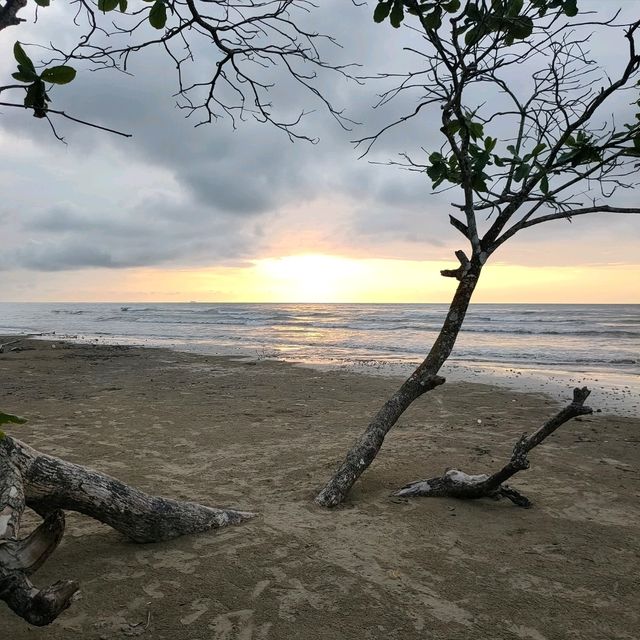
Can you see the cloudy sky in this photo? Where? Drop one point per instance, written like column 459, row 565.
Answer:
column 211, row 213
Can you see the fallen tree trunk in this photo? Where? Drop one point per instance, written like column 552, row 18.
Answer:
column 457, row 484
column 49, row 485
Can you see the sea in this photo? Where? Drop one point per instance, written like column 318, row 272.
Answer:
column 530, row 347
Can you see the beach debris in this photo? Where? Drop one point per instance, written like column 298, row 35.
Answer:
column 48, row 486
column 457, row 484
column 3, row 346
column 8, row 344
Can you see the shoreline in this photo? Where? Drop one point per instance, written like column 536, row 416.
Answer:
column 263, row 436
column 611, row 391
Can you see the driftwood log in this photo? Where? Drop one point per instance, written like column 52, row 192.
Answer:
column 457, row 484
column 49, row 486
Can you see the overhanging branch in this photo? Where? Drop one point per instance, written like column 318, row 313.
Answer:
column 560, row 215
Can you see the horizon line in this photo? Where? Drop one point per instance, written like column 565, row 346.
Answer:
column 263, row 302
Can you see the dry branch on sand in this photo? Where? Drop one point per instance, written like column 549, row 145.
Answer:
column 49, row 486
column 457, row 484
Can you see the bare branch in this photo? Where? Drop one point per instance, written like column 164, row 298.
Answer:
column 457, row 484
column 72, row 118
column 561, row 215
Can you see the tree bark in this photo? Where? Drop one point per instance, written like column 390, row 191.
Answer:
column 48, row 485
column 9, row 13
column 423, row 379
column 457, row 484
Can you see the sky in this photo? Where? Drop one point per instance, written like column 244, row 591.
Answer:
column 213, row 213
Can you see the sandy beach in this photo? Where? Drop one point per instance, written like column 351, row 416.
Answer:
column 263, row 436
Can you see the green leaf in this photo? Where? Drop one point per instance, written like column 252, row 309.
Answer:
column 476, row 130
column 515, row 8
column 27, row 72
column 7, row 418
column 478, row 183
column 538, row 149
column 59, row 75
column 122, row 5
column 544, row 185
column 451, row 128
column 397, row 14
column 31, row 95
column 158, row 15
column 107, row 5
column 43, row 3
column 472, row 36
column 21, row 57
column 22, row 77
column 570, row 8
column 452, row 6
column 521, row 172
column 473, row 12
column 36, row 98
column 521, row 27
column 490, row 143
column 433, row 20
column 381, row 12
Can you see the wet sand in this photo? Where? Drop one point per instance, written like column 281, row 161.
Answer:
column 264, row 436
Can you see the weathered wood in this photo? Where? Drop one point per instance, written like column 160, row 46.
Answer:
column 48, row 485
column 4, row 345
column 423, row 379
column 457, row 484
column 51, row 484
column 20, row 558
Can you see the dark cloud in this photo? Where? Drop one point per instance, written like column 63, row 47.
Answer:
column 177, row 194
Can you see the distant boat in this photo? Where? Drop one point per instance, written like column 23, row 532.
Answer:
column 125, row 308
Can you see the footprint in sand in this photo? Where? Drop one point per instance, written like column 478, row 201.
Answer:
column 153, row 590
column 199, row 607
column 239, row 625
column 259, row 588
column 527, row 633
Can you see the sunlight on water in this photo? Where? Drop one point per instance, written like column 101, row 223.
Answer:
column 569, row 343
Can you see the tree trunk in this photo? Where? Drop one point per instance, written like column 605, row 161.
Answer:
column 423, row 379
column 48, row 485
column 457, row 484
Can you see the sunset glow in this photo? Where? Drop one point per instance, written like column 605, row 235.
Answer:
column 311, row 278
column 328, row 278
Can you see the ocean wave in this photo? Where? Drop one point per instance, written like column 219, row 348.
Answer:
column 299, row 324
column 578, row 332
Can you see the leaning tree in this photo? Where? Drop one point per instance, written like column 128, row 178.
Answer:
column 527, row 138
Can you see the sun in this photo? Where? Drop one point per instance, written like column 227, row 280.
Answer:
column 312, row 277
